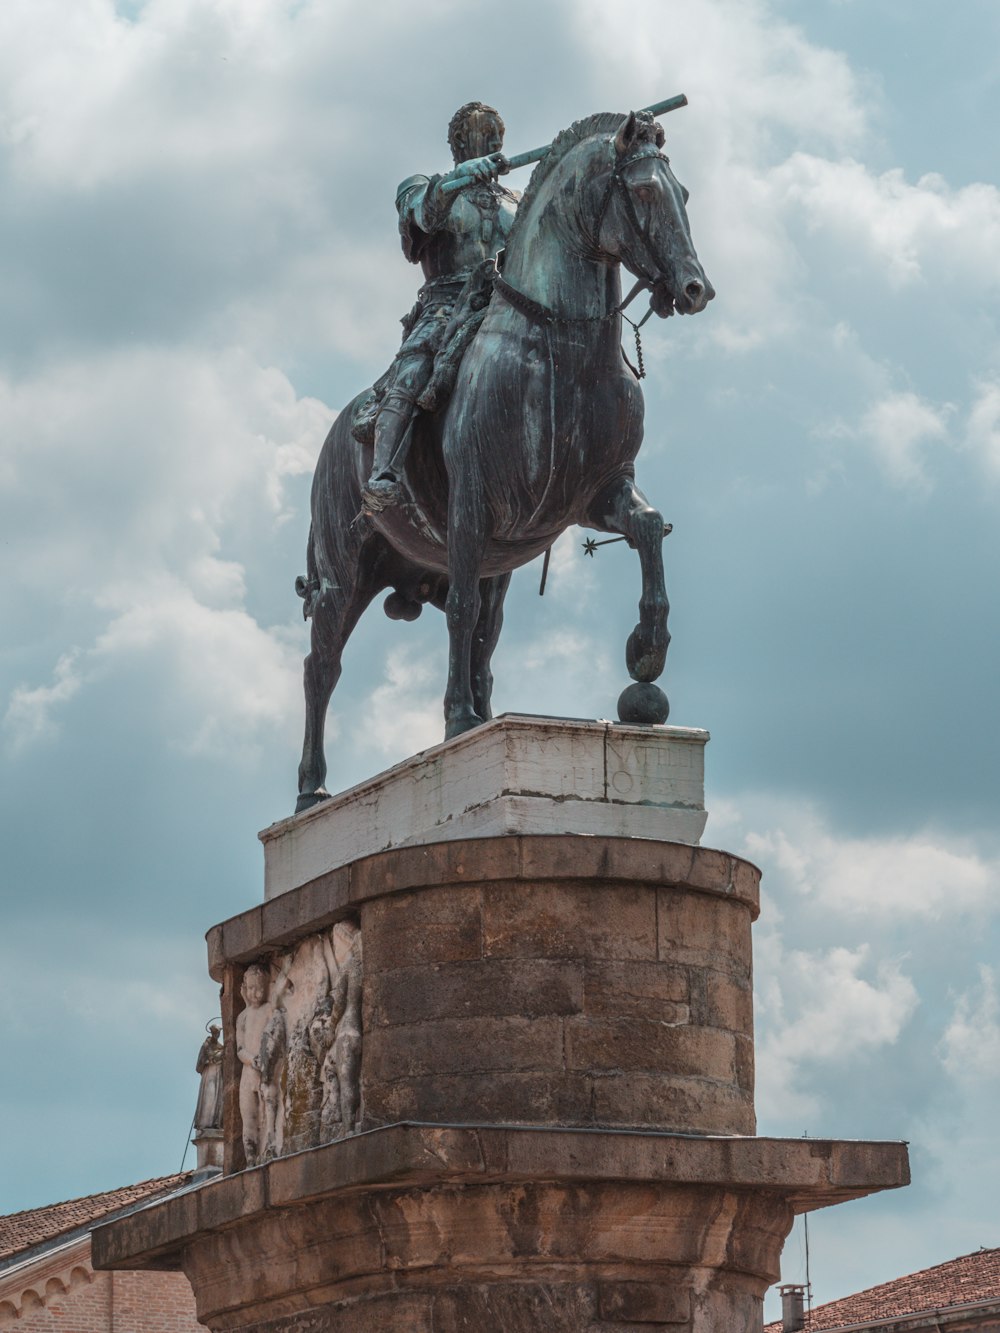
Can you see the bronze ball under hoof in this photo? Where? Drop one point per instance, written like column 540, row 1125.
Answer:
column 643, row 702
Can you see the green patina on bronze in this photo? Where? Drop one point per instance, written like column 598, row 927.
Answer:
column 509, row 412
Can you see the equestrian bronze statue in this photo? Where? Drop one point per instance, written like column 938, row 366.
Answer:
column 510, row 413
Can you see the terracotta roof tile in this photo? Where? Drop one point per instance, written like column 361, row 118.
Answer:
column 22, row 1231
column 970, row 1278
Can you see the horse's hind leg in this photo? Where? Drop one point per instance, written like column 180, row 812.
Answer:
column 335, row 613
column 621, row 507
column 484, row 640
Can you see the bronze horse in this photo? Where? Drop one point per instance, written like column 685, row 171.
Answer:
column 541, row 432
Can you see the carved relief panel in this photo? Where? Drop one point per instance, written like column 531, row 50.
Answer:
column 299, row 1045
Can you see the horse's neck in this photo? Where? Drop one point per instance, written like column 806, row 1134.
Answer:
column 552, row 260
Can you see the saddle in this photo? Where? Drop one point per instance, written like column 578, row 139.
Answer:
column 466, row 318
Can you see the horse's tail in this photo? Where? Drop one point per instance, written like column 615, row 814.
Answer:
column 307, row 585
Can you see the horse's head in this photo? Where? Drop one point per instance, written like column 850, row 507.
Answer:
column 642, row 219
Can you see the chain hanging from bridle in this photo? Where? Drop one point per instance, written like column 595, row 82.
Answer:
column 617, row 181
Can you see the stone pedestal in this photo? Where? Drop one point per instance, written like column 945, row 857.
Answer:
column 209, row 1147
column 541, row 1093
column 514, row 775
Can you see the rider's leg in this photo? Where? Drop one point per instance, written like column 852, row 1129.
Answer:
column 410, row 376
column 393, row 420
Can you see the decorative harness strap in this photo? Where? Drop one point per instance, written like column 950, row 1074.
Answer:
column 542, row 314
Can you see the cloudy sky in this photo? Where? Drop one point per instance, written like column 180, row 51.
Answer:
column 200, row 265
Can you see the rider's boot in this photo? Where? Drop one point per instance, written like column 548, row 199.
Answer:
column 383, row 488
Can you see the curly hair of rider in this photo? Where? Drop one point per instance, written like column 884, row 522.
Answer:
column 459, row 122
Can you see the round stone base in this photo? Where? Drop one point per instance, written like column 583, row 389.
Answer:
column 436, row 1229
column 565, row 981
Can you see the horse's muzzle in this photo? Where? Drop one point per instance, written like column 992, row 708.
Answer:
column 695, row 296
column 662, row 301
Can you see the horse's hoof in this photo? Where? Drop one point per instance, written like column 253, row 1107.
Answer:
column 643, row 702
column 458, row 726
column 643, row 659
column 308, row 799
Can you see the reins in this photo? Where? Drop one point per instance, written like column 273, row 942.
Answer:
column 542, row 314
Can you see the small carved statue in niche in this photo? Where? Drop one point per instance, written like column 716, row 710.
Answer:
column 335, row 1035
column 208, row 1112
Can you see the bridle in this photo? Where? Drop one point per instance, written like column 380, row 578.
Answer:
column 542, row 314
column 616, row 181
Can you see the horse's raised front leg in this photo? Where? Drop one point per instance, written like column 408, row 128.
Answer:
column 466, row 542
column 491, row 596
column 621, row 507
column 335, row 612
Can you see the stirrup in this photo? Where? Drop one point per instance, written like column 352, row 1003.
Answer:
column 380, row 493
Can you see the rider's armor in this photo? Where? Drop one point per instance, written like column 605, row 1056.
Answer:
column 448, row 234
column 455, row 238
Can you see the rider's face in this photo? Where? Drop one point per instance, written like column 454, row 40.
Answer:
column 482, row 136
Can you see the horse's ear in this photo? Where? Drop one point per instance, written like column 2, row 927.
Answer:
column 661, row 138
column 625, row 137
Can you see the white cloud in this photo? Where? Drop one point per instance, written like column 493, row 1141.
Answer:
column 180, row 65
column 983, row 427
column 28, row 718
column 899, row 427
column 920, row 876
column 160, row 475
column 970, row 1049
column 817, row 1010
column 215, row 676
column 227, row 677
column 740, row 63
column 915, row 233
column 757, row 88
column 403, row 714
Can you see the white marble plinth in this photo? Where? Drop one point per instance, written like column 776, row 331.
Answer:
column 513, row 775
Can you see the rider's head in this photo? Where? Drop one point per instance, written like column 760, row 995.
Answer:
column 475, row 131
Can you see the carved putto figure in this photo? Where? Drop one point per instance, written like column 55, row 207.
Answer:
column 259, row 1046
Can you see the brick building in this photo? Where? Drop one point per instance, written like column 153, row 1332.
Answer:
column 47, row 1282
column 960, row 1296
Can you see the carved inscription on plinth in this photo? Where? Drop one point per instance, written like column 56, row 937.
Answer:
column 299, row 1045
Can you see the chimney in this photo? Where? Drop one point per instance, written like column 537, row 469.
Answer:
column 793, row 1298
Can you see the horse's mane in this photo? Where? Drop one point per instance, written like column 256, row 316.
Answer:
column 603, row 122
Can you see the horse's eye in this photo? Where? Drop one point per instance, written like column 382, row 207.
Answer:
column 646, row 193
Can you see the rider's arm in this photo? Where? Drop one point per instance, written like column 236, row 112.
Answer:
column 424, row 207
column 422, row 211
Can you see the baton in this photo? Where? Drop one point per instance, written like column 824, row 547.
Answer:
column 536, row 154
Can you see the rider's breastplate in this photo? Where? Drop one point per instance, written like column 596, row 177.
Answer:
column 477, row 227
